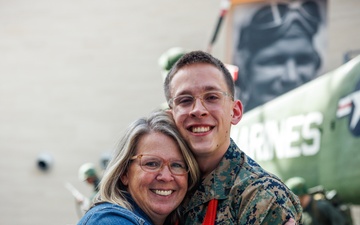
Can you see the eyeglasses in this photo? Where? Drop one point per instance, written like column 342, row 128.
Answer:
column 150, row 163
column 210, row 100
column 278, row 14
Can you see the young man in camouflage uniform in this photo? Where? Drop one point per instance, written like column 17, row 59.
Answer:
column 200, row 90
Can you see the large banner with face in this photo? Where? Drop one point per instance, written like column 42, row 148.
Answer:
column 277, row 45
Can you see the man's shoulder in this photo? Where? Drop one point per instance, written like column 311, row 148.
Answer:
column 238, row 156
column 252, row 180
column 247, row 167
column 250, row 176
column 259, row 181
column 259, row 196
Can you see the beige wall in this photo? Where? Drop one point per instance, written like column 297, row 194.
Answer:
column 344, row 30
column 74, row 74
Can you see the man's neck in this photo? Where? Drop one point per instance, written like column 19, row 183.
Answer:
column 209, row 163
column 207, row 166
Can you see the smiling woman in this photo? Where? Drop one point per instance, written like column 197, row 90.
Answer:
column 147, row 178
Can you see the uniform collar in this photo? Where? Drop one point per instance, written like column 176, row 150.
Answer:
column 220, row 181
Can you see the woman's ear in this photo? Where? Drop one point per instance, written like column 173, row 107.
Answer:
column 125, row 179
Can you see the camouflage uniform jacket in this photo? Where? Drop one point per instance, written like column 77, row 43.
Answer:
column 246, row 194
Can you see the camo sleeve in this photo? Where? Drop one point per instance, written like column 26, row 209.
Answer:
column 246, row 194
column 267, row 201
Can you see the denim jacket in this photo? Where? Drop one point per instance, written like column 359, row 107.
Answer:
column 112, row 214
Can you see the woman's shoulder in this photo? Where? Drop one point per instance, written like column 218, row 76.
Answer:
column 108, row 213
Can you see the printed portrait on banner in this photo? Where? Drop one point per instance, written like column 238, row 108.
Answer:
column 277, row 45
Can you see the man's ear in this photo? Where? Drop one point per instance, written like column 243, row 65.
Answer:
column 237, row 112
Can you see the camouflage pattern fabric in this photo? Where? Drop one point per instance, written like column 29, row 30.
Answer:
column 247, row 194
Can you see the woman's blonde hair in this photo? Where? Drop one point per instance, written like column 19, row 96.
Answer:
column 111, row 187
